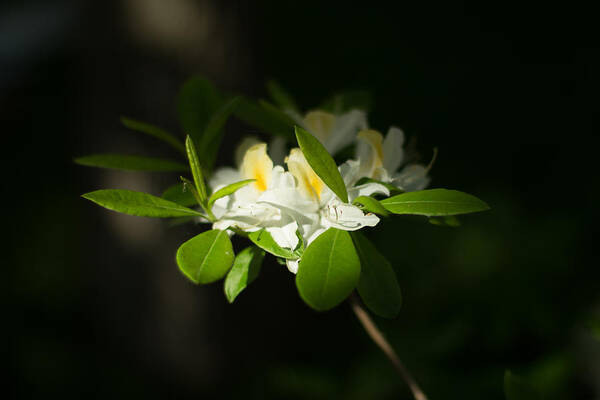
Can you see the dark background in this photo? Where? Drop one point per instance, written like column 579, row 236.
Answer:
column 96, row 306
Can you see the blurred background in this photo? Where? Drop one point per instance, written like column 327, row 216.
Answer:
column 96, row 305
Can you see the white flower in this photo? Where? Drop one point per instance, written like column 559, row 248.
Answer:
column 380, row 159
column 333, row 131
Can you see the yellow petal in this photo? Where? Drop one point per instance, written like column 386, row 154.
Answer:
column 256, row 164
column 309, row 183
column 375, row 140
column 320, row 124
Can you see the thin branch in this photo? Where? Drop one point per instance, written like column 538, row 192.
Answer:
column 385, row 346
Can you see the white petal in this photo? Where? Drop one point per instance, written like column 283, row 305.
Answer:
column 285, row 235
column 392, row 149
column 243, row 147
column 223, row 177
column 345, row 129
column 257, row 165
column 348, row 217
column 412, row 178
column 292, row 265
column 370, row 156
column 367, row 189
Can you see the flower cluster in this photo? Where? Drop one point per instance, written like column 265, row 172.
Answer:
column 295, row 206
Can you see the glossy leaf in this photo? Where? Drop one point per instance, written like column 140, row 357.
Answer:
column 281, row 97
column 195, row 167
column 179, row 194
column 448, row 221
column 434, row 202
column 211, row 138
column 329, row 270
column 138, row 203
column 154, row 131
column 227, row 190
column 246, row 268
column 264, row 118
column 377, row 285
column 369, row 204
column 197, row 101
column 206, row 257
column 130, row 163
column 265, row 241
column 516, row 388
column 321, row 162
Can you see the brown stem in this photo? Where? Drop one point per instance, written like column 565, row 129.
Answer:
column 385, row 346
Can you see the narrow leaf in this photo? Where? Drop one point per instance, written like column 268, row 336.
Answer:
column 377, row 285
column 369, row 204
column 130, row 163
column 227, row 190
column 154, row 131
column 244, row 271
column 137, row 203
column 211, row 138
column 195, row 167
column 322, row 163
column 265, row 119
column 197, row 101
column 516, row 388
column 434, row 202
column 265, row 241
column 179, row 194
column 281, row 97
column 206, row 257
column 329, row 270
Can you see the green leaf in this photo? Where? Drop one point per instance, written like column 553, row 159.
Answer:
column 130, row 163
column 196, row 169
column 369, row 204
column 227, row 190
column 348, row 100
column 154, row 131
column 137, row 203
column 265, row 241
column 322, row 163
column 393, row 189
column 434, row 202
column 267, row 119
column 329, row 270
column 179, row 194
column 244, row 271
column 281, row 97
column 448, row 221
column 516, row 388
column 206, row 257
column 211, row 138
column 377, row 285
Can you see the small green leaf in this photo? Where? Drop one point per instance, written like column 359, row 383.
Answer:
column 137, row 203
column 197, row 101
column 322, row 163
column 434, row 202
column 369, row 204
column 281, row 97
column 377, row 285
column 154, row 131
column 206, row 257
column 329, row 270
column 130, row 163
column 516, row 388
column 196, row 169
column 227, row 190
column 393, row 189
column 448, row 221
column 265, row 118
column 211, row 138
column 345, row 101
column 265, row 241
column 179, row 194
column 244, row 271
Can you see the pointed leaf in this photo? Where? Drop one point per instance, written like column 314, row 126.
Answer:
column 329, row 270
column 227, row 190
column 369, row 204
column 265, row 119
column 244, row 271
column 434, row 202
column 137, row 203
column 265, row 241
column 281, row 97
column 196, row 169
column 211, row 138
column 154, row 131
column 197, row 101
column 377, row 286
column 179, row 194
column 130, row 163
column 516, row 388
column 206, row 257
column 322, row 163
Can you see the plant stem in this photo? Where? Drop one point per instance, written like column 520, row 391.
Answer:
column 385, row 346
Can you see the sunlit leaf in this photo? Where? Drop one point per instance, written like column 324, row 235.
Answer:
column 179, row 194
column 227, row 190
column 434, row 202
column 393, row 189
column 195, row 167
column 206, row 257
column 369, row 204
column 154, row 131
column 246, row 268
column 137, row 203
column 321, row 162
column 130, row 163
column 265, row 241
column 329, row 270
